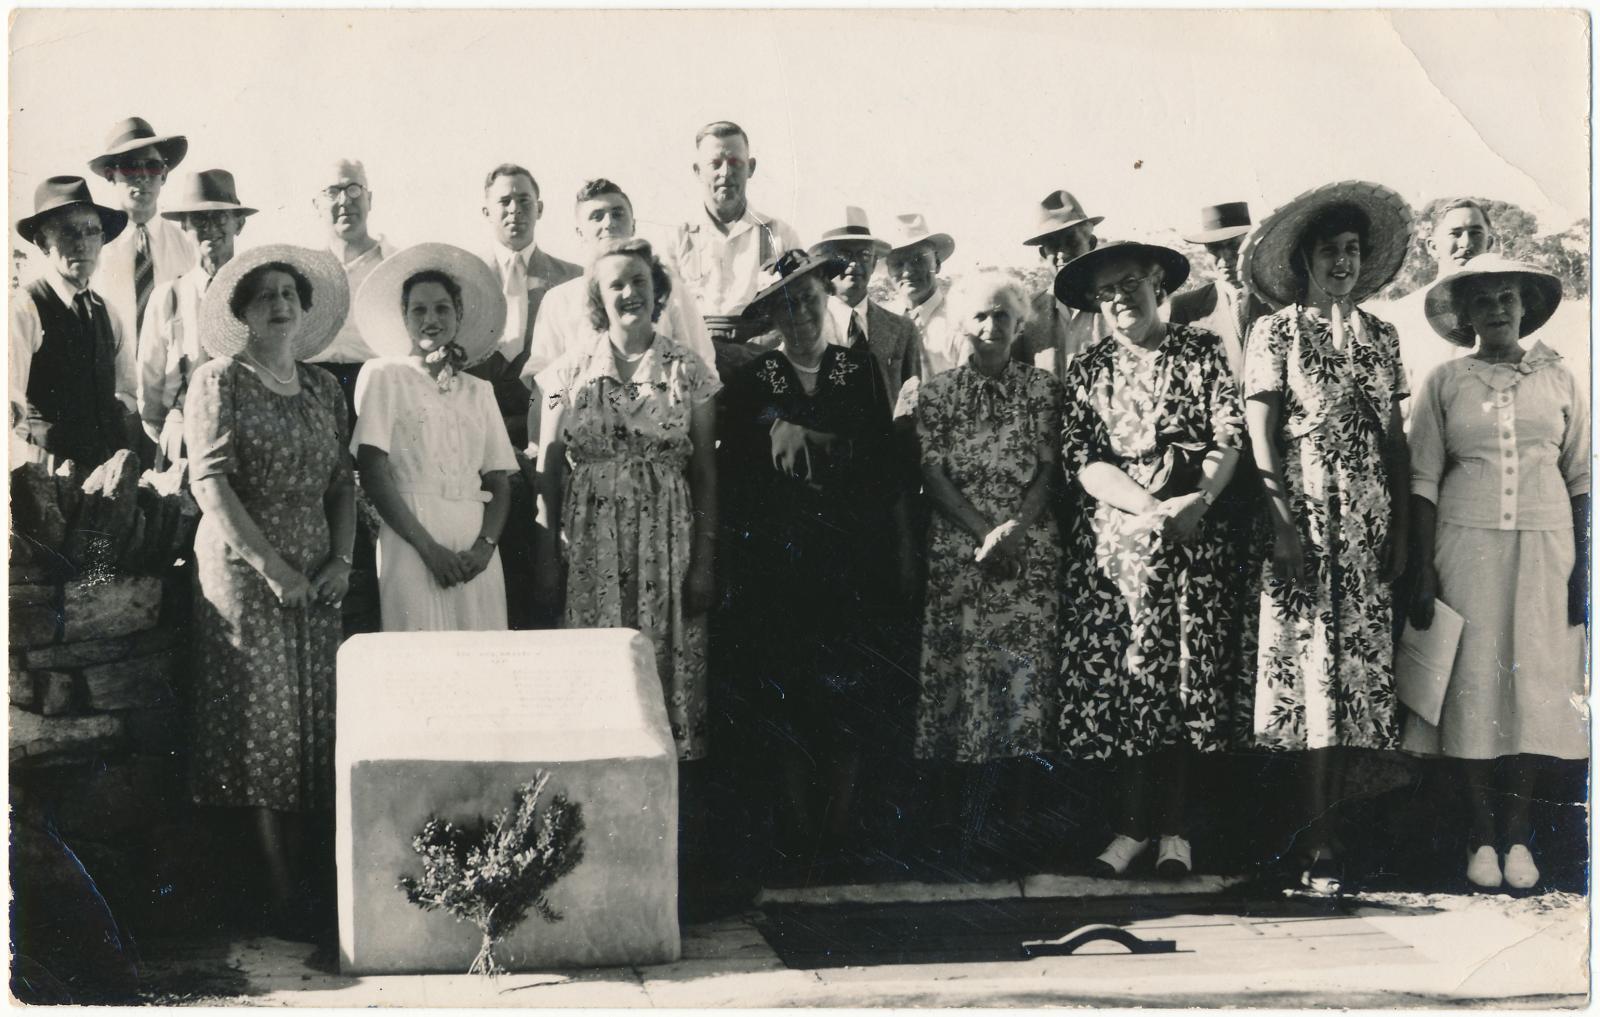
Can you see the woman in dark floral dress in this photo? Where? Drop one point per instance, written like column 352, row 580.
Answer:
column 810, row 493
column 268, row 441
column 1324, row 382
column 990, row 433
column 1151, row 434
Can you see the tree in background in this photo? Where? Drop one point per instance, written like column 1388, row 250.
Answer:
column 1565, row 254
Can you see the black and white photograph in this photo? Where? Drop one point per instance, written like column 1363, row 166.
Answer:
column 754, row 508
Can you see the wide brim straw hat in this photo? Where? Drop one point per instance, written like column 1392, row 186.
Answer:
column 381, row 320
column 1266, row 257
column 223, row 335
column 781, row 273
column 1541, row 293
column 1072, row 282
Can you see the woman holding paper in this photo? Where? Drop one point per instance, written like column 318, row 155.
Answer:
column 1500, row 501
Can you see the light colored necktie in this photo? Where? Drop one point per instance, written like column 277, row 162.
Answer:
column 516, row 291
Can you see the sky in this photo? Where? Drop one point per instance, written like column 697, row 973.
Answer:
column 968, row 117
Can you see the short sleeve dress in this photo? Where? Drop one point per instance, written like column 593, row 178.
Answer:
column 1325, row 673
column 264, row 702
column 439, row 443
column 1145, row 661
column 627, row 516
column 990, row 645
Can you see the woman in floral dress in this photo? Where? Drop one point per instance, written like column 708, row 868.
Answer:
column 1151, row 434
column 1324, row 383
column 269, row 466
column 628, row 501
column 990, row 434
column 810, row 546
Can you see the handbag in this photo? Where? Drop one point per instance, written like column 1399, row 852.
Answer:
column 1180, row 470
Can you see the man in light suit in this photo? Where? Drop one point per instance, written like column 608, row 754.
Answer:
column 526, row 273
column 1054, row 333
column 856, row 320
column 152, row 250
column 1223, row 306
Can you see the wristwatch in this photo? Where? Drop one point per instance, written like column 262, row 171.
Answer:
column 348, row 559
column 1209, row 497
column 487, row 540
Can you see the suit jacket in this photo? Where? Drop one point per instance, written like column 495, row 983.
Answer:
column 1202, row 308
column 895, row 343
column 545, row 272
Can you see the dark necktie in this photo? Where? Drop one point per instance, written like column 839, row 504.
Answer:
column 854, row 335
column 144, row 272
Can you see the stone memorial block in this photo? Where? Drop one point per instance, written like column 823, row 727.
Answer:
column 449, row 724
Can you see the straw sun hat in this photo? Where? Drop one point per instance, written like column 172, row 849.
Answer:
column 1266, row 257
column 483, row 306
column 223, row 335
column 1541, row 292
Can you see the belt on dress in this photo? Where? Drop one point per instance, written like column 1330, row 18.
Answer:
column 448, row 490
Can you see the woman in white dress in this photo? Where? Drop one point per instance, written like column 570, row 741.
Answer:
column 430, row 444
column 1500, row 498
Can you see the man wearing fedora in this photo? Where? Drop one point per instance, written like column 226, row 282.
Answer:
column 136, row 161
column 854, row 319
column 913, row 260
column 722, row 250
column 1222, row 306
column 64, row 340
column 208, row 210
column 344, row 200
column 1054, row 332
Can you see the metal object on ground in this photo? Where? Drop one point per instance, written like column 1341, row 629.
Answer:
column 1067, row 945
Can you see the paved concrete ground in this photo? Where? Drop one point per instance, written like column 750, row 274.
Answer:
column 1409, row 950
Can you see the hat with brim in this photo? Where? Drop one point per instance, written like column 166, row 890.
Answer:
column 209, row 190
column 1541, row 293
column 132, row 134
column 381, row 319
column 223, row 335
column 58, row 193
column 1226, row 221
column 1058, row 212
column 778, row 275
column 1073, row 281
column 911, row 230
column 854, row 231
column 1266, row 258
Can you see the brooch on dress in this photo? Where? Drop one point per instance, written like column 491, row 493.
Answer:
column 774, row 378
column 842, row 369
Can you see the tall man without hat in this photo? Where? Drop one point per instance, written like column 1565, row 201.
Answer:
column 65, row 401
column 1460, row 230
column 526, row 274
column 721, row 250
column 208, row 210
column 1223, row 306
column 1054, row 332
column 136, row 160
column 344, row 201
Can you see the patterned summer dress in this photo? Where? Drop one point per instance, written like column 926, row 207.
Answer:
column 263, row 710
column 1325, row 667
column 990, row 646
column 1145, row 660
column 627, row 516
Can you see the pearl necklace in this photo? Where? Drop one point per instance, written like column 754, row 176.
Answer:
column 258, row 365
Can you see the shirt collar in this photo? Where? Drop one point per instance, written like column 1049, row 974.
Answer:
column 929, row 308
column 842, row 312
column 749, row 221
column 503, row 255
column 341, row 250
column 197, row 277
column 66, row 290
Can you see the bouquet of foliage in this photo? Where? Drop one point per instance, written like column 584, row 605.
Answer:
column 492, row 873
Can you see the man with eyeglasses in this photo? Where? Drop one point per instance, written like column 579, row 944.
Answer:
column 207, row 209
column 1054, row 332
column 345, row 201
column 152, row 251
column 721, row 251
column 64, row 340
column 1223, row 305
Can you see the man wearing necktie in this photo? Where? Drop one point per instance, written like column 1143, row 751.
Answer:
column 63, row 339
column 152, row 251
column 1223, row 305
column 854, row 318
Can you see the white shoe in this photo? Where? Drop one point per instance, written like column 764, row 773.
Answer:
column 1483, row 868
column 1119, row 854
column 1174, row 859
column 1521, row 873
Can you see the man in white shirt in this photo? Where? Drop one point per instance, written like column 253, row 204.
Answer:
column 64, row 340
column 1054, row 332
column 721, row 252
column 527, row 275
column 854, row 319
column 1222, row 306
column 152, row 251
column 913, row 261
column 345, row 203
column 604, row 212
column 208, row 210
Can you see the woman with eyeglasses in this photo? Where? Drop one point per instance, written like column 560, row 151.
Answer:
column 1151, row 434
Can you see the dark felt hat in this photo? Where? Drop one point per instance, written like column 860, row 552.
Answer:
column 135, row 133
column 1221, row 222
column 206, row 191
column 67, row 192
column 1072, row 282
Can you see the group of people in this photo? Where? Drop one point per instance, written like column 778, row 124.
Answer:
column 1115, row 520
